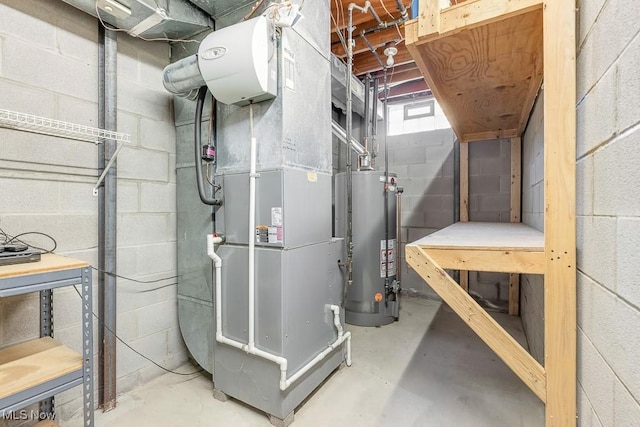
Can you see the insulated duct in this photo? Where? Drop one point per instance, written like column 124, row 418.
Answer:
column 174, row 19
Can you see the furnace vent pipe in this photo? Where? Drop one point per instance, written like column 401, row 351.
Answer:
column 339, row 132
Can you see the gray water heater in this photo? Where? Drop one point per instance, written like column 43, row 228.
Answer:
column 371, row 298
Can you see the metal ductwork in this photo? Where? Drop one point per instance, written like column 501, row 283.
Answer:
column 175, row 19
column 218, row 8
column 339, row 88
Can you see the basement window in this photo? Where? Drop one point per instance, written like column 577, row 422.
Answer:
column 418, row 110
column 415, row 116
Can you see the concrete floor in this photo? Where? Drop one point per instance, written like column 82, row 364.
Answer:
column 429, row 369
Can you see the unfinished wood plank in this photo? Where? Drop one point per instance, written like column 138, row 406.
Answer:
column 559, row 216
column 515, row 209
column 512, row 353
column 471, row 14
column 47, row 263
column 514, row 290
column 516, row 179
column 484, row 77
column 464, row 182
column 35, row 362
column 489, row 260
column 464, row 203
column 490, row 135
column 485, row 236
column 25, row 349
column 428, row 18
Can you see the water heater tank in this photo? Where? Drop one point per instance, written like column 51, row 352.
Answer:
column 238, row 63
column 374, row 260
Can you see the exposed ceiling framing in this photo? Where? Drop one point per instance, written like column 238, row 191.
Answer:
column 405, row 72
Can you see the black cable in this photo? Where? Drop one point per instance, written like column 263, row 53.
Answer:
column 133, row 280
column 133, row 349
column 8, row 238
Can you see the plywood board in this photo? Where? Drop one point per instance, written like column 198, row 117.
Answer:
column 35, row 362
column 48, row 263
column 485, row 235
column 486, row 77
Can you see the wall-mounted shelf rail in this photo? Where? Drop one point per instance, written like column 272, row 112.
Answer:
column 45, row 126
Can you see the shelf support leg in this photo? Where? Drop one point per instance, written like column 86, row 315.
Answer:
column 559, row 41
column 464, row 200
column 47, row 406
column 87, row 347
column 516, row 202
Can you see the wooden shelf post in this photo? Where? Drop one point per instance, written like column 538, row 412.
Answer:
column 559, row 29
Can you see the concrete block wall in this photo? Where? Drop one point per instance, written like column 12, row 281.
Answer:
column 424, row 165
column 608, row 214
column 608, row 223
column 490, row 201
column 48, row 67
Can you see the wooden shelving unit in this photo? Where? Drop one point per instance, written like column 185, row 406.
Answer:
column 484, row 61
column 37, row 370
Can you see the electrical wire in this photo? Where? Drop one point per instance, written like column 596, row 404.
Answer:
column 8, row 238
column 133, row 280
column 158, row 39
column 386, row 10
column 136, row 351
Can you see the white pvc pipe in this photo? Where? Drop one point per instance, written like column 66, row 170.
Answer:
column 252, row 231
column 212, row 240
column 250, row 346
column 342, row 337
column 281, row 361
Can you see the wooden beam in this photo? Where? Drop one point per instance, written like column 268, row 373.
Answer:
column 486, row 260
column 429, row 18
column 491, row 135
column 414, row 86
column 361, row 18
column 367, row 62
column 473, row 14
column 515, row 216
column 559, row 29
column 499, row 340
column 464, row 182
column 403, row 76
column 464, row 202
column 377, row 40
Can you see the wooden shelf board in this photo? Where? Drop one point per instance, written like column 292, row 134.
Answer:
column 48, row 263
column 485, row 236
column 35, row 362
column 482, row 60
